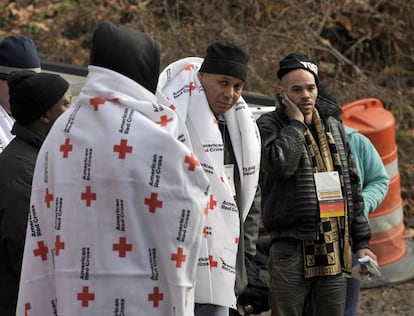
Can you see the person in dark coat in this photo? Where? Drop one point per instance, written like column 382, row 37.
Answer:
column 36, row 100
column 17, row 52
column 311, row 196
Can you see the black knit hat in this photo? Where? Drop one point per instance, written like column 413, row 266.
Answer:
column 18, row 52
column 226, row 58
column 297, row 61
column 32, row 94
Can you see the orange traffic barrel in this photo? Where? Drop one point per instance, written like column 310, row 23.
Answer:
column 394, row 254
column 370, row 118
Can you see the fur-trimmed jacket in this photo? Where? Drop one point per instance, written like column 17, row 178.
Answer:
column 289, row 199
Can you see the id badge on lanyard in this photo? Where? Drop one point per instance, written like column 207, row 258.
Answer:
column 328, row 189
column 229, row 172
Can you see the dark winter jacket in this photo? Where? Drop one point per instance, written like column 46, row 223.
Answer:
column 17, row 163
column 289, row 201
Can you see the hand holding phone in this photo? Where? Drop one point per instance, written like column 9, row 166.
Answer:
column 292, row 110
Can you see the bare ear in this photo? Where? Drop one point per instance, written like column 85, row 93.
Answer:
column 200, row 76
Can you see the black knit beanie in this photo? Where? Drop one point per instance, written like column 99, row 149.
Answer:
column 32, row 94
column 297, row 61
column 226, row 58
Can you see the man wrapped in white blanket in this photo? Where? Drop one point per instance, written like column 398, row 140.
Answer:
column 118, row 200
column 224, row 136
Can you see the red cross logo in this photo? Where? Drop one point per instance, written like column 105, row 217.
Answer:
column 213, row 202
column 179, row 257
column 59, row 245
column 189, row 67
column 66, row 148
column 153, row 202
column 237, row 240
column 123, row 149
column 48, row 198
column 172, row 106
column 213, row 264
column 164, row 120
column 156, row 297
column 192, row 87
column 88, row 196
column 192, row 162
column 85, row 296
column 122, row 247
column 27, row 307
column 96, row 102
column 41, row 251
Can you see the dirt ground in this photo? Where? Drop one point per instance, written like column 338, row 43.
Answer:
column 389, row 300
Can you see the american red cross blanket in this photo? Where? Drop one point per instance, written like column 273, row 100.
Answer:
column 117, row 209
column 179, row 86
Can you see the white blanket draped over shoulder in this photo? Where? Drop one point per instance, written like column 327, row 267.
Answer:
column 6, row 124
column 179, row 86
column 117, row 208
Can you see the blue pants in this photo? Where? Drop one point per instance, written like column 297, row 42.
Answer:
column 289, row 289
column 353, row 287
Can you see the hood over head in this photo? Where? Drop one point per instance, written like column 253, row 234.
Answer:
column 127, row 51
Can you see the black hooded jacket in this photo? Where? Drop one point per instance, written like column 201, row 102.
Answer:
column 17, row 164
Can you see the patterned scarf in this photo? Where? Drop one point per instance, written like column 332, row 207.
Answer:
column 330, row 254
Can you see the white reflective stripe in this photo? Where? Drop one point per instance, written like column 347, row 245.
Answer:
column 6, row 70
column 380, row 224
column 392, row 168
